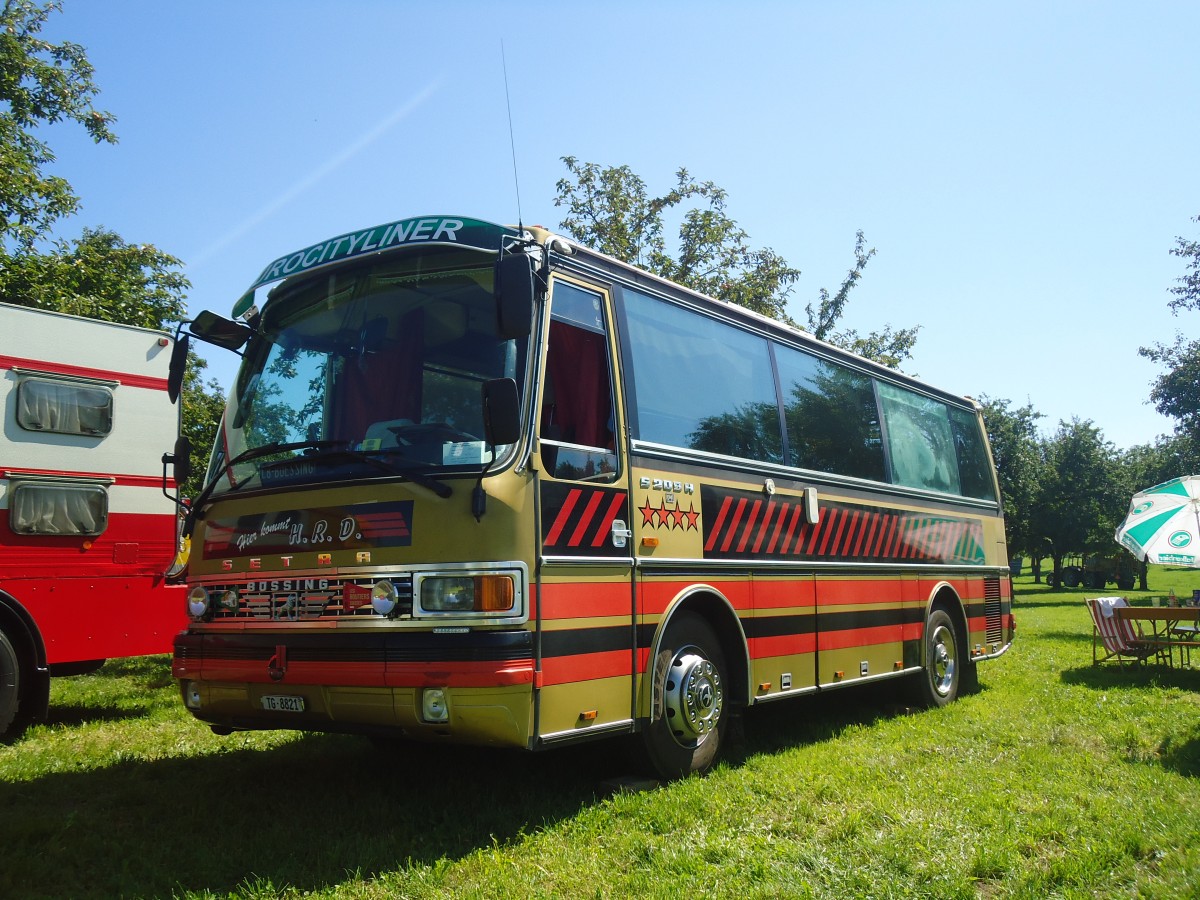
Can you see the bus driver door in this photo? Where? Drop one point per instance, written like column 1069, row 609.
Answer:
column 586, row 643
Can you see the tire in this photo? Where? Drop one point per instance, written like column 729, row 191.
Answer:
column 10, row 685
column 941, row 675
column 689, row 714
column 1071, row 577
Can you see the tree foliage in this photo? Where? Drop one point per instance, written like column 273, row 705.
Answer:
column 1082, row 498
column 98, row 275
column 1175, row 391
column 1019, row 455
column 40, row 83
column 611, row 210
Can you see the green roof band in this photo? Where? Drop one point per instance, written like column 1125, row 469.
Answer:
column 444, row 230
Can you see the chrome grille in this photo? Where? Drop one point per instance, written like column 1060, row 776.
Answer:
column 992, row 610
column 305, row 599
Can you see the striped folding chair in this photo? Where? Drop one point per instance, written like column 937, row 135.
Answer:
column 1115, row 636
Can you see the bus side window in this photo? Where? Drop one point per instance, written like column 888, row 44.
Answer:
column 577, row 418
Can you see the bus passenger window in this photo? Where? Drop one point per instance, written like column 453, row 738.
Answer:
column 577, row 418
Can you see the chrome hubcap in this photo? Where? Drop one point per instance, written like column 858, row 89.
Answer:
column 942, row 659
column 694, row 697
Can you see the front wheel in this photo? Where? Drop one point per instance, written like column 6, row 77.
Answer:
column 941, row 675
column 689, row 715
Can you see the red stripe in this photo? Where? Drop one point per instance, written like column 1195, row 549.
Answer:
column 783, row 510
column 41, row 365
column 563, row 514
column 830, row 522
column 865, row 532
column 605, row 528
column 733, row 526
column 766, row 524
column 581, row 529
column 849, row 529
column 150, row 481
column 749, row 526
column 716, row 529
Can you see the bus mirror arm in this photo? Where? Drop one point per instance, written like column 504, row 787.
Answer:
column 182, row 460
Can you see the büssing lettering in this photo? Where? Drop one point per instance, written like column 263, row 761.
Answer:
column 288, row 584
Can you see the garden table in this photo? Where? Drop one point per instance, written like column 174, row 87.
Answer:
column 1174, row 627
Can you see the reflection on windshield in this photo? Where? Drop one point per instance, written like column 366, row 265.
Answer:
column 385, row 361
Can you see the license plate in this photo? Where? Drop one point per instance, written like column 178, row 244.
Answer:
column 283, row 703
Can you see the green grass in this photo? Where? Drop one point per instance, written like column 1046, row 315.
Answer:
column 1056, row 779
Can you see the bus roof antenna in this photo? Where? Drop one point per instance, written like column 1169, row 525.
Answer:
column 511, row 140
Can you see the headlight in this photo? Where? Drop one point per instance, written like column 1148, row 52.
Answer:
column 197, row 602
column 481, row 593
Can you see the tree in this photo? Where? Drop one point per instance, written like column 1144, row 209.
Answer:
column 98, row 275
column 1018, row 452
column 611, row 211
column 40, row 83
column 1174, row 392
column 1080, row 500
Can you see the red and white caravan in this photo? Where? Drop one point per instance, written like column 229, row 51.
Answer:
column 86, row 532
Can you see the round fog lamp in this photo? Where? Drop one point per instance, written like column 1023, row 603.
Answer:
column 384, row 597
column 197, row 602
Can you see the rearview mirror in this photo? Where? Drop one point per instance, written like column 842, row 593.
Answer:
column 515, row 295
column 178, row 364
column 501, row 411
column 218, row 330
column 182, row 458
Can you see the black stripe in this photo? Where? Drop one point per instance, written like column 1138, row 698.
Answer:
column 475, row 646
column 575, row 641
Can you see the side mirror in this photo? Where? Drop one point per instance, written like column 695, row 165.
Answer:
column 501, row 411
column 515, row 295
column 181, row 457
column 218, row 330
column 178, row 364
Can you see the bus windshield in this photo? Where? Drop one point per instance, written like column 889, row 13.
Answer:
column 368, row 370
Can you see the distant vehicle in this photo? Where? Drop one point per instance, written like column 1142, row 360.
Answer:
column 86, row 533
column 1097, row 570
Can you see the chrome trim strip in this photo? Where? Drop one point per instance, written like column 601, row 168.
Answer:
column 622, row 726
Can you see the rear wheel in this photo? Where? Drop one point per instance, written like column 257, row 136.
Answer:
column 689, row 717
column 942, row 674
column 10, row 684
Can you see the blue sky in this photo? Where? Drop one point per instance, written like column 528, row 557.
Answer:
column 1022, row 169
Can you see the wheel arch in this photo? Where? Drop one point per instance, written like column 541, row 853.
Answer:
column 714, row 607
column 944, row 596
column 22, row 631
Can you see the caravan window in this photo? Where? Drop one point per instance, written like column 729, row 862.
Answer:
column 64, row 407
column 55, row 508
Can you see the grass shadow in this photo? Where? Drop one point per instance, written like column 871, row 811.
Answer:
column 307, row 814
column 302, row 815
column 1110, row 676
column 72, row 714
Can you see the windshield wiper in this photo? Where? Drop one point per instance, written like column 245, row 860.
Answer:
column 246, row 456
column 370, row 457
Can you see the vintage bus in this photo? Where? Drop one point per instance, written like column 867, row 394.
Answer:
column 86, row 535
column 482, row 484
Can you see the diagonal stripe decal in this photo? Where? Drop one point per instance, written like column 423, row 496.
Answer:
column 744, row 526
